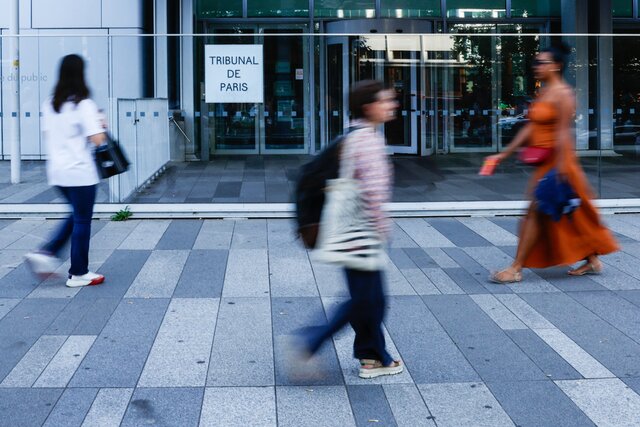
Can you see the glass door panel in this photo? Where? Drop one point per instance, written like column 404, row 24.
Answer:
column 337, row 79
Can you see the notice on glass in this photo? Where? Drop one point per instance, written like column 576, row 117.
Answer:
column 234, row 73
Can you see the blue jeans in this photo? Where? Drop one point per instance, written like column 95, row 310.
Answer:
column 365, row 312
column 77, row 226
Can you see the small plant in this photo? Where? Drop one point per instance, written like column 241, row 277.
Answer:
column 122, row 214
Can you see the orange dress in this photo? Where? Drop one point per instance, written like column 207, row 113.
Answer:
column 579, row 235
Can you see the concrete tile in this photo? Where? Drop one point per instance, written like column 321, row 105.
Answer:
column 489, row 350
column 121, row 350
column 401, row 259
column 616, row 280
column 623, row 227
column 633, row 383
column 31, row 317
column 180, row 353
column 34, row 239
column 18, row 283
column 525, row 312
column 464, row 404
column 164, row 407
column 27, row 371
column 419, row 258
column 108, row 408
column 465, row 281
column 476, row 270
column 394, row 280
column 83, row 316
column 146, row 235
column 159, row 275
column 17, row 230
column 559, row 278
column 441, row 258
column 442, row 281
column 10, row 260
column 423, row 233
column 119, row 270
column 66, row 362
column 490, row 231
column 202, row 275
column 291, row 317
column 369, row 405
column 12, row 349
column 235, row 406
column 400, row 239
column 425, row 348
column 244, row 279
column 330, row 279
column 407, row 406
column 419, row 281
column 6, row 305
column 572, row 353
column 307, row 406
column 250, row 234
column 180, row 235
column 72, row 407
column 538, row 403
column 291, row 274
column 113, row 234
column 343, row 342
column 510, row 224
column 500, row 314
column 456, row 232
column 242, row 352
column 608, row 402
column 282, row 233
column 215, row 234
column 26, row 407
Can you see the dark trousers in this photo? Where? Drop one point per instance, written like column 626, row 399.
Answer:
column 365, row 312
column 77, row 227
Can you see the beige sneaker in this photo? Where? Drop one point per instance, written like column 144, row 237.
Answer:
column 374, row 368
column 89, row 279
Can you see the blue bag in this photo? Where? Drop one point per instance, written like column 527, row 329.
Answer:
column 555, row 197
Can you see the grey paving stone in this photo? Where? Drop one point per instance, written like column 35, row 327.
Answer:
column 615, row 280
column 425, row 348
column 573, row 353
column 330, row 279
column 291, row 274
column 464, row 404
column 290, row 318
column 490, row 231
column 343, row 342
column 6, row 305
column 511, row 224
column 242, row 352
column 250, row 234
column 634, row 383
column 559, row 278
column 282, row 233
column 202, row 275
column 246, row 279
column 457, row 232
column 623, row 227
column 477, row 271
column 550, row 362
column 419, row 281
column 407, row 406
column 215, row 234
column 180, row 353
column 12, row 349
column 17, row 230
column 525, row 312
column 10, row 260
column 239, row 406
column 228, row 189
column 425, row 237
column 108, row 408
column 401, row 259
column 120, row 352
column 65, row 363
column 441, row 258
column 18, row 283
column 27, row 371
column 113, row 234
column 608, row 402
column 442, row 281
column 420, row 258
column 395, row 282
column 307, row 406
column 181, row 234
column 146, row 235
column 617, row 352
column 72, row 407
column 500, row 314
column 400, row 239
column 26, row 407
column 489, row 350
column 164, row 407
column 31, row 317
column 159, row 275
column 369, row 405
column 465, row 281
column 119, row 270
column 631, row 296
column 538, row 403
column 35, row 238
column 83, row 316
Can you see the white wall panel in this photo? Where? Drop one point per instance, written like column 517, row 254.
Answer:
column 122, row 14
column 25, row 14
column 67, row 13
column 127, row 72
column 161, row 66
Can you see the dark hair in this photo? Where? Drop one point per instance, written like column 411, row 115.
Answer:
column 71, row 86
column 559, row 53
column 362, row 93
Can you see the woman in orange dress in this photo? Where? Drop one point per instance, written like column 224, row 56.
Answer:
column 544, row 242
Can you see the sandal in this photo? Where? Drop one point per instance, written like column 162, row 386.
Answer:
column 511, row 276
column 586, row 268
column 374, row 368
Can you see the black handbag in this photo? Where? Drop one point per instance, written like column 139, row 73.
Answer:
column 110, row 159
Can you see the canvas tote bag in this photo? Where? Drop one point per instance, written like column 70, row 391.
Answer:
column 347, row 236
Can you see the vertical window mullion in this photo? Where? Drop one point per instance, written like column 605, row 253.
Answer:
column 244, row 9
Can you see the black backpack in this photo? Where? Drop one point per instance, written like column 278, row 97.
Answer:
column 312, row 180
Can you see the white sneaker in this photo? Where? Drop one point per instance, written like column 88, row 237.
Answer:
column 89, row 279
column 41, row 263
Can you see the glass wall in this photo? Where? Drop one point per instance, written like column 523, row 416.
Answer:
column 476, row 8
column 410, row 8
column 345, row 9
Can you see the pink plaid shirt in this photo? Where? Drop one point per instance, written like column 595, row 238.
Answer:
column 373, row 170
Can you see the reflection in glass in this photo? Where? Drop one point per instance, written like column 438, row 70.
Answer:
column 622, row 8
column 533, row 8
column 345, row 9
column 409, row 8
column 278, row 8
column 219, row 8
column 476, row 8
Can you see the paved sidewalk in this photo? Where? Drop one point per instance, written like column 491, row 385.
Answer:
column 193, row 324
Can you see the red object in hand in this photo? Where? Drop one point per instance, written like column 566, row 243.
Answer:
column 489, row 166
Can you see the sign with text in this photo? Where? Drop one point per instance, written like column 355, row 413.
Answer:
column 234, row 73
